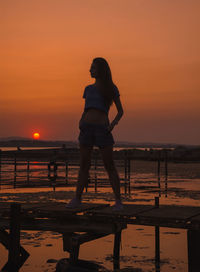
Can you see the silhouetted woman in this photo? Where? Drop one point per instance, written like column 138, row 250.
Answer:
column 95, row 129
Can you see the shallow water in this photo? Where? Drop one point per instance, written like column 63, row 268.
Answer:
column 138, row 242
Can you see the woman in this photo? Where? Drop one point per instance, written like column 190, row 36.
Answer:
column 95, row 129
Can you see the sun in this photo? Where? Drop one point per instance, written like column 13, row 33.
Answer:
column 36, row 135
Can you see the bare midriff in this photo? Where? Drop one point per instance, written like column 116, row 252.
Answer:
column 95, row 116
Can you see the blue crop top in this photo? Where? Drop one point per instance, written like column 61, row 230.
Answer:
column 94, row 99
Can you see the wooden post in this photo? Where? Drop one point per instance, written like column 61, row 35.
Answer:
column 129, row 176
column 125, row 171
column 166, row 172
column 0, row 166
column 157, row 248
column 193, row 238
column 54, row 178
column 49, row 170
column 0, row 159
column 14, row 245
column 157, row 202
column 74, row 251
column 15, row 164
column 66, row 171
column 88, row 181
column 15, row 172
column 28, row 170
column 116, row 250
column 158, row 169
column 95, row 172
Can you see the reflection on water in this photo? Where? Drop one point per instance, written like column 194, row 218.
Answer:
column 140, row 244
column 137, row 250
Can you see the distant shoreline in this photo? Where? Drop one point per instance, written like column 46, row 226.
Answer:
column 16, row 143
column 179, row 153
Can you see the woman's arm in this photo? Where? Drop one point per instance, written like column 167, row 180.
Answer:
column 120, row 112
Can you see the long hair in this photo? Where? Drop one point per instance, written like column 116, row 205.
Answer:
column 107, row 85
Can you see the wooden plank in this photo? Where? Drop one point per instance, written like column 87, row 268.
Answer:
column 195, row 219
column 128, row 210
column 59, row 209
column 64, row 225
column 171, row 212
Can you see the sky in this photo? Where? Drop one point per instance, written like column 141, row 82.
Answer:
column 152, row 47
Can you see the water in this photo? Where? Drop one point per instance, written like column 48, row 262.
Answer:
column 138, row 242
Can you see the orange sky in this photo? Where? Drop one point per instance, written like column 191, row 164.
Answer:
column 153, row 48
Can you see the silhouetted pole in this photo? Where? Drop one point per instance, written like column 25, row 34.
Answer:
column 15, row 172
column 28, row 170
column 157, row 241
column 0, row 159
column 116, row 250
column 166, row 172
column 157, row 202
column 125, row 171
column 0, row 165
column 95, row 172
column 66, row 171
column 129, row 175
column 193, row 238
column 49, row 169
column 14, row 243
column 158, row 169
column 157, row 248
column 15, row 164
column 74, row 251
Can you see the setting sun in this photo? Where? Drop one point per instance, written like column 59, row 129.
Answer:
column 36, row 135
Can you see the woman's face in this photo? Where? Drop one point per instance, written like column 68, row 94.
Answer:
column 94, row 70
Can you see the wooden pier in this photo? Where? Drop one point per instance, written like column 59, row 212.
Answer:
column 59, row 167
column 90, row 222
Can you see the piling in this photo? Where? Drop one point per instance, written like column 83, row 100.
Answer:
column 166, row 172
column 74, row 251
column 125, row 171
column 14, row 243
column 157, row 202
column 116, row 249
column 158, row 169
column 157, row 248
column 0, row 167
column 66, row 171
column 15, row 164
column 28, row 170
column 0, row 159
column 129, row 175
column 95, row 172
column 193, row 238
column 49, row 169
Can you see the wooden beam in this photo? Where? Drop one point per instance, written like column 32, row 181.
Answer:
column 116, row 249
column 14, row 243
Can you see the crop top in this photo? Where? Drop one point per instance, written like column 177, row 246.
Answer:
column 94, row 99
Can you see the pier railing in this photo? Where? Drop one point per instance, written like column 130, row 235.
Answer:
column 59, row 167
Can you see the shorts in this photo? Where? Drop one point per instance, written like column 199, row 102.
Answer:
column 95, row 135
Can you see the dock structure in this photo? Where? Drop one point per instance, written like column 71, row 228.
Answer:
column 93, row 221
column 60, row 167
column 57, row 168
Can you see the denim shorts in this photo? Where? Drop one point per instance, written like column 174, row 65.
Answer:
column 95, row 135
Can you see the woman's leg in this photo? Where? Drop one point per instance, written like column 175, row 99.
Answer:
column 107, row 156
column 85, row 160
